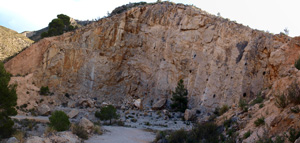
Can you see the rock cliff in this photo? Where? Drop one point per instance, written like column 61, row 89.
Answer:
column 142, row 54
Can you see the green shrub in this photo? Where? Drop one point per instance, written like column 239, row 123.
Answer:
column 297, row 63
column 258, row 99
column 281, row 101
column 178, row 136
column 179, row 97
column 79, row 131
column 107, row 113
column 293, row 135
column 247, row 134
column 260, row 121
column 243, row 105
column 294, row 93
column 220, row 111
column 120, row 123
column 59, row 121
column 24, row 106
column 295, row 109
column 8, row 101
column 161, row 135
column 227, row 123
column 223, row 109
column 44, row 90
column 279, row 139
column 261, row 105
column 206, row 131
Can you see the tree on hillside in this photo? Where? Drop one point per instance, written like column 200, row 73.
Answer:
column 58, row 26
column 179, row 97
column 8, row 100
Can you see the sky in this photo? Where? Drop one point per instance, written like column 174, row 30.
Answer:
column 267, row 15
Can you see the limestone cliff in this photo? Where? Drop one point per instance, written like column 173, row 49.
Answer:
column 11, row 42
column 143, row 53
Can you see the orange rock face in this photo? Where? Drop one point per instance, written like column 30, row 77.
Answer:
column 144, row 52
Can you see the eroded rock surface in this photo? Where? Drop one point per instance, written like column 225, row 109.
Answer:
column 144, row 52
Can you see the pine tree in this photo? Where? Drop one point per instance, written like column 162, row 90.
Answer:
column 107, row 113
column 8, row 100
column 179, row 97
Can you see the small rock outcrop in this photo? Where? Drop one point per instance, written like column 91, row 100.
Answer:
column 138, row 103
column 73, row 113
column 44, row 110
column 87, row 125
column 36, row 139
column 159, row 104
column 12, row 140
column 189, row 115
column 87, row 103
column 64, row 137
column 60, row 137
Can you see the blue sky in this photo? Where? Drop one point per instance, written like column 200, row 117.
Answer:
column 268, row 15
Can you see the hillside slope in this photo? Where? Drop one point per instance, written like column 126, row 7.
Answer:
column 142, row 54
column 11, row 42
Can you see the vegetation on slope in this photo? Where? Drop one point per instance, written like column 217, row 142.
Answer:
column 58, row 26
column 11, row 42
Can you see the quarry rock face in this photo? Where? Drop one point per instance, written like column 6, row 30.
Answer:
column 143, row 52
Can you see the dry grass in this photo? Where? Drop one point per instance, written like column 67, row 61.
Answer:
column 97, row 130
column 49, row 131
column 20, row 136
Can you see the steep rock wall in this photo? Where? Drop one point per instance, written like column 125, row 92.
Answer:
column 144, row 52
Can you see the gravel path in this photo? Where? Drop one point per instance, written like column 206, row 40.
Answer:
column 122, row 135
column 36, row 118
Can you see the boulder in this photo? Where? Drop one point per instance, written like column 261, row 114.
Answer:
column 87, row 125
column 64, row 137
column 12, row 140
column 44, row 110
column 138, row 103
column 123, row 107
column 275, row 121
column 189, row 115
column 36, row 139
column 73, row 113
column 297, row 140
column 159, row 104
column 166, row 112
column 104, row 104
column 87, row 103
column 72, row 104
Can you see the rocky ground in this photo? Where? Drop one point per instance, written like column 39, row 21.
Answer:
column 139, row 126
